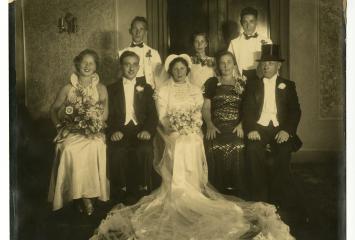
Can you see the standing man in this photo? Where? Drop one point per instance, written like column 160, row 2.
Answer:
column 271, row 116
column 132, row 124
column 246, row 48
column 150, row 61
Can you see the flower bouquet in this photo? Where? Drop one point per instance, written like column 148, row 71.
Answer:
column 83, row 116
column 185, row 121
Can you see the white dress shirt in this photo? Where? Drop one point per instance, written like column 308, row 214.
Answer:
column 149, row 62
column 128, row 86
column 269, row 110
column 247, row 51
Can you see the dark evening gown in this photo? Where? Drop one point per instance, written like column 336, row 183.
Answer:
column 225, row 153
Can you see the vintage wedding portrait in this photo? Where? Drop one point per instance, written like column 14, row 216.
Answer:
column 178, row 120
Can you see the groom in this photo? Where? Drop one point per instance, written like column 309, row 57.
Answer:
column 271, row 116
column 132, row 123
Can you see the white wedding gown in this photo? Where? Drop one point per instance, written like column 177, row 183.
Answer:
column 185, row 206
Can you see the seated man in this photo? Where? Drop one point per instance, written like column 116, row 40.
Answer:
column 132, row 123
column 271, row 113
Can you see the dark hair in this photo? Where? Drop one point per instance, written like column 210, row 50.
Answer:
column 78, row 59
column 219, row 55
column 140, row 19
column 128, row 54
column 195, row 34
column 176, row 60
column 248, row 11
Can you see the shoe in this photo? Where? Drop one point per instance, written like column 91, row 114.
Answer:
column 79, row 207
column 89, row 207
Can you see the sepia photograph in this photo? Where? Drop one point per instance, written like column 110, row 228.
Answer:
column 177, row 119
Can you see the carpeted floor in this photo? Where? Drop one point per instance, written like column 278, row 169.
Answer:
column 320, row 181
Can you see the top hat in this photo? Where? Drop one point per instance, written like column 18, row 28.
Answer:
column 270, row 52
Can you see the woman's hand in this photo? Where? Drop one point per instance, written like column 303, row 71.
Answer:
column 239, row 130
column 212, row 131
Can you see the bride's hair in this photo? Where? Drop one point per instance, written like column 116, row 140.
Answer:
column 176, row 60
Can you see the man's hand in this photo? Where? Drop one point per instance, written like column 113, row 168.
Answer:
column 254, row 136
column 117, row 136
column 143, row 135
column 282, row 136
column 239, row 130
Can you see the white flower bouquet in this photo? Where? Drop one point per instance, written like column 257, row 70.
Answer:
column 185, row 121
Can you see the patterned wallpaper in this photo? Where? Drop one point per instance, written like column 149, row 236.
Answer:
column 331, row 59
column 49, row 54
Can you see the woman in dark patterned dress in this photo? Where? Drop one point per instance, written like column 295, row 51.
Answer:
column 224, row 134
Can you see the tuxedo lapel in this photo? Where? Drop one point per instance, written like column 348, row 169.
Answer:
column 278, row 94
column 259, row 95
column 122, row 100
column 138, row 95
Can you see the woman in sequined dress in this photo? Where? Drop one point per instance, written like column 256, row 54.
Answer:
column 224, row 133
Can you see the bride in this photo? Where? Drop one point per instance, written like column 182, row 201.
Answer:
column 186, row 206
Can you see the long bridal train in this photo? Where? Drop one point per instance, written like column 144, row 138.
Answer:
column 185, row 206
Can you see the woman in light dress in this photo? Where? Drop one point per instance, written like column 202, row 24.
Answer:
column 203, row 66
column 79, row 167
column 185, row 206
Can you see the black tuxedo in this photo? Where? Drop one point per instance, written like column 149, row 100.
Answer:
column 130, row 158
column 144, row 106
column 288, row 116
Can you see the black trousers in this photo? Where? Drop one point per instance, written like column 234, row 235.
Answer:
column 131, row 161
column 269, row 180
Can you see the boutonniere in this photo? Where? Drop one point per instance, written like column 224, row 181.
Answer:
column 148, row 54
column 139, row 88
column 281, row 86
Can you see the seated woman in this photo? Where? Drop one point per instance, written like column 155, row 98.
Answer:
column 79, row 113
column 202, row 67
column 224, row 134
column 185, row 207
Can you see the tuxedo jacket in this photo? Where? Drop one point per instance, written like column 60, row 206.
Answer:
column 288, row 107
column 143, row 104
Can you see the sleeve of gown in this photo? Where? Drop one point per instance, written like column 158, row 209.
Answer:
column 210, row 87
column 161, row 102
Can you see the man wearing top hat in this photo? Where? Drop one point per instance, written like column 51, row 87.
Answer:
column 270, row 118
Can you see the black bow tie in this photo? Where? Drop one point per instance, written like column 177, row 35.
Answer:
column 247, row 37
column 140, row 45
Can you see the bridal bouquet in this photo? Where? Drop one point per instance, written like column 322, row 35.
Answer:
column 83, row 116
column 185, row 121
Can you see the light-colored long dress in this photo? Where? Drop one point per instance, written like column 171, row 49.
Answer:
column 79, row 167
column 185, row 207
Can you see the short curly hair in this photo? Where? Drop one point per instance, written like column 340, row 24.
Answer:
column 176, row 60
column 248, row 11
column 221, row 54
column 79, row 58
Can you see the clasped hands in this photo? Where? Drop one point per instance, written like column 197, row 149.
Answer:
column 281, row 137
column 143, row 135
